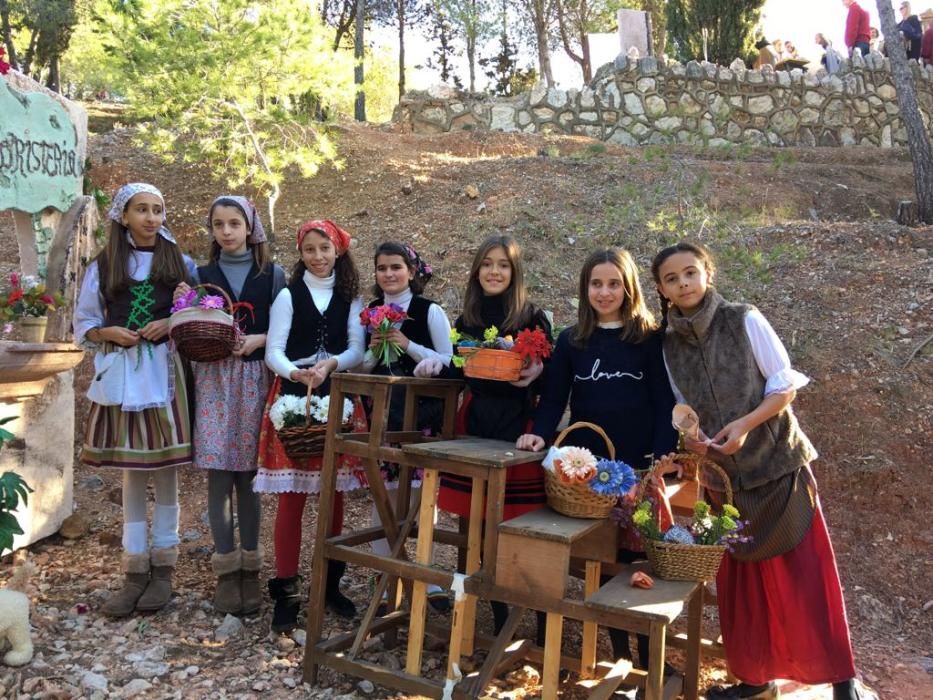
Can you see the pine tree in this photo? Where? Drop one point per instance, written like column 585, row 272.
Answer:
column 730, row 27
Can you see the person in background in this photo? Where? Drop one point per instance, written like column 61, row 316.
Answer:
column 831, row 59
column 875, row 41
column 911, row 30
column 766, row 57
column 926, row 47
column 790, row 51
column 857, row 29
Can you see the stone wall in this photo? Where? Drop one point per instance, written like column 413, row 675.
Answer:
column 644, row 102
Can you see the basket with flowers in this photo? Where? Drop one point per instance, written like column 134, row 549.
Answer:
column 691, row 551
column 500, row 358
column 580, row 485
column 380, row 320
column 301, row 422
column 203, row 325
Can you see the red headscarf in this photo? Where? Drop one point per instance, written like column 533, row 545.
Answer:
column 336, row 235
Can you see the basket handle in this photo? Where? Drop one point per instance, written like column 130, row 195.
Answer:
column 592, row 426
column 219, row 289
column 701, row 462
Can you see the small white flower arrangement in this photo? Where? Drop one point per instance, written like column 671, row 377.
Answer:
column 288, row 411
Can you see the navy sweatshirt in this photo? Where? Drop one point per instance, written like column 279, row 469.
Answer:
column 621, row 387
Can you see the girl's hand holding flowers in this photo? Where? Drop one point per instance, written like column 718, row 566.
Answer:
column 529, row 374
column 388, row 342
column 180, row 291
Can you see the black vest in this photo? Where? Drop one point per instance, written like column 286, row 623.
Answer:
column 311, row 330
column 118, row 309
column 257, row 291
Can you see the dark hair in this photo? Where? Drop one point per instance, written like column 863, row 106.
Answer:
column 168, row 265
column 346, row 276
column 261, row 253
column 416, row 283
column 518, row 311
column 698, row 250
column 637, row 320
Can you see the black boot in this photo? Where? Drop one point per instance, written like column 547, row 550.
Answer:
column 284, row 591
column 541, row 630
column 335, row 600
column 500, row 613
column 852, row 689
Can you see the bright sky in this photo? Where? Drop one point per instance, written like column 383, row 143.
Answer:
column 797, row 20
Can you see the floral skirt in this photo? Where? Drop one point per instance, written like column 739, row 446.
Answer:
column 279, row 473
column 229, row 402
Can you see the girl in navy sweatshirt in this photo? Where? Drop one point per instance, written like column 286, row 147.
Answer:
column 610, row 367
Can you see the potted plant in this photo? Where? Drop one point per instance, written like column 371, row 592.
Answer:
column 12, row 490
column 28, row 302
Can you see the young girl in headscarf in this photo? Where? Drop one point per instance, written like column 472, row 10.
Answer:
column 140, row 423
column 314, row 330
column 229, row 397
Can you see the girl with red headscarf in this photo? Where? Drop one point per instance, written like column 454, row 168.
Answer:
column 314, row 330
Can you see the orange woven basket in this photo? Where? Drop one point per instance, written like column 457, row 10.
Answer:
column 488, row 363
column 579, row 500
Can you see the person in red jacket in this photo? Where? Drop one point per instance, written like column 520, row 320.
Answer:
column 926, row 47
column 857, row 28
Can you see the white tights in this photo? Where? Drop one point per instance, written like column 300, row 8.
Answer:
column 165, row 514
column 381, row 547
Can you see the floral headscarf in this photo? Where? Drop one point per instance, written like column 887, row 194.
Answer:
column 257, row 234
column 337, row 236
column 126, row 193
column 423, row 271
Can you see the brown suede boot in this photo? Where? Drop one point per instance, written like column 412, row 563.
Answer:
column 251, row 590
column 227, row 597
column 159, row 590
column 123, row 602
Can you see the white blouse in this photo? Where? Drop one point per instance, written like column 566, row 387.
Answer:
column 770, row 356
column 438, row 328
column 280, row 324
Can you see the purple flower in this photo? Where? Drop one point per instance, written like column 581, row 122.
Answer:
column 397, row 308
column 185, row 301
column 212, row 302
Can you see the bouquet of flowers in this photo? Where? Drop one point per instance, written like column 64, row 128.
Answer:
column 381, row 319
column 290, row 411
column 493, row 358
column 28, row 297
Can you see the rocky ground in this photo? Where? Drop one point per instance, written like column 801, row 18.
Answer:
column 803, row 233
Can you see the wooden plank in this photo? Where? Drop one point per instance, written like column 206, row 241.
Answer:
column 664, row 602
column 400, row 568
column 547, row 524
column 709, row 648
column 532, row 567
column 496, row 454
column 473, row 559
column 694, row 650
column 495, row 505
column 399, row 680
column 607, row 686
column 590, row 629
column 429, row 482
column 655, row 681
column 354, row 383
column 478, row 683
column 343, row 641
column 456, row 637
column 600, row 544
column 550, row 675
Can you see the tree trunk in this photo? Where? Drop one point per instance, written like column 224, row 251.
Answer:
column 8, row 34
column 538, row 9
column 54, row 80
column 918, row 139
column 401, row 49
column 471, row 59
column 359, row 107
column 656, row 11
column 587, row 61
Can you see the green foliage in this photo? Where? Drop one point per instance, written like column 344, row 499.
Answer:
column 39, row 32
column 12, row 490
column 730, row 27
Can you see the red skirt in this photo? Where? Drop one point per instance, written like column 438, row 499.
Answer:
column 785, row 617
column 524, row 484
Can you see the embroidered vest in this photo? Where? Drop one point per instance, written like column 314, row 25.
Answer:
column 257, row 291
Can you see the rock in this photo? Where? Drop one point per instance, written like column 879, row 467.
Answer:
column 648, row 65
column 289, row 682
column 191, row 535
column 229, row 628
column 366, row 686
column 503, row 118
column 300, row 637
column 192, row 670
column 74, row 526
column 150, row 669
column 109, row 539
column 481, row 208
column 284, row 643
column 471, row 191
column 407, row 187
column 93, row 681
column 135, row 687
column 91, row 483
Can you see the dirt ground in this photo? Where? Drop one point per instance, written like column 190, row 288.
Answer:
column 805, row 234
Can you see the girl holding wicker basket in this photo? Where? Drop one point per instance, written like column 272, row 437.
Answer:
column 609, row 366
column 501, row 410
column 139, row 404
column 314, row 330
column 781, row 608
column 229, row 395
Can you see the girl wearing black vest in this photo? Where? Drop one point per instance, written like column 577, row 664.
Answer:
column 314, row 330
column 140, row 422
column 401, row 276
column 229, row 397
column 781, row 609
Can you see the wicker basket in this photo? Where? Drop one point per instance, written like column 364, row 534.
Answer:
column 687, row 562
column 307, row 440
column 488, row 363
column 204, row 335
column 578, row 500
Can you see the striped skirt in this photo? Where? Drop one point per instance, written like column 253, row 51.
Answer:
column 154, row 438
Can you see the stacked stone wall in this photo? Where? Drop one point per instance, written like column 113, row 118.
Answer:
column 644, row 102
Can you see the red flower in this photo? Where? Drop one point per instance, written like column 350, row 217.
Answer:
column 14, row 277
column 47, row 299
column 15, row 296
column 532, row 345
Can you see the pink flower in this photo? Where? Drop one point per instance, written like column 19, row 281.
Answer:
column 212, row 302
column 14, row 279
column 576, row 464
